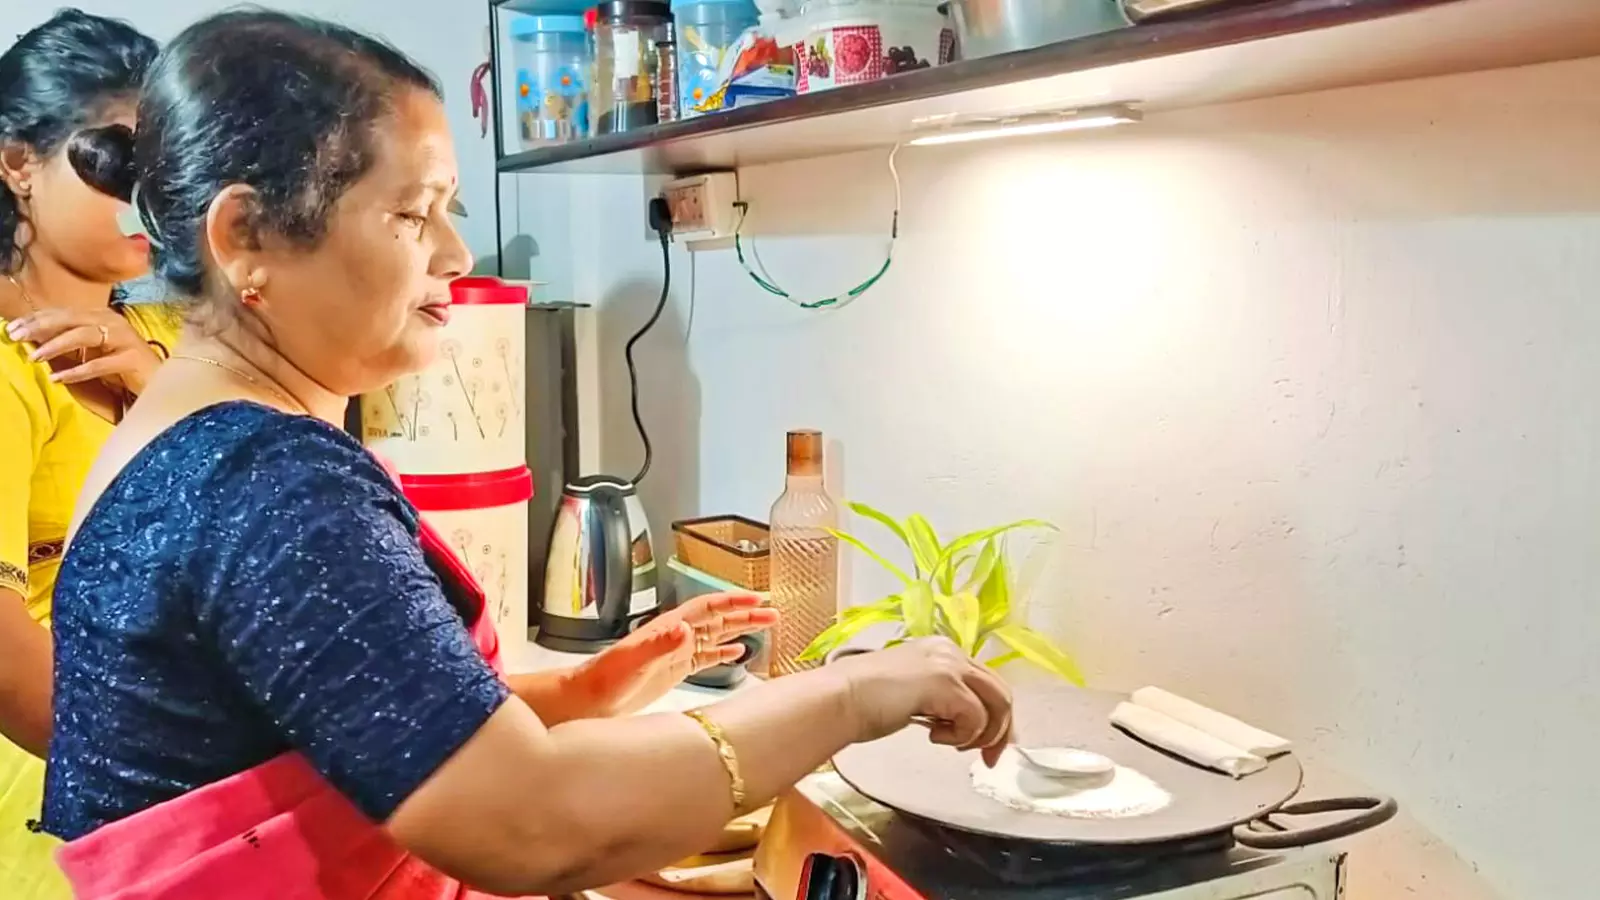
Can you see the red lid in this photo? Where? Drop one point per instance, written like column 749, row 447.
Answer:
column 478, row 490
column 484, row 289
column 591, row 17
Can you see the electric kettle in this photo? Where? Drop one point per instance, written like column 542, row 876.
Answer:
column 600, row 577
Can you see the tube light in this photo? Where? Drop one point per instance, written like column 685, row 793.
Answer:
column 1103, row 117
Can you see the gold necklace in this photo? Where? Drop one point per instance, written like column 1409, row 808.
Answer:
column 26, row 297
column 234, row 370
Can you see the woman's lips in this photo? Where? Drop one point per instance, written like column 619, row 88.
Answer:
column 438, row 312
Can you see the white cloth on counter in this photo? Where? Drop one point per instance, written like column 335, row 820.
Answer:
column 1186, row 741
column 1246, row 737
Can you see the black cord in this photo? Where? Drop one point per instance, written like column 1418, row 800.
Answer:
column 661, row 221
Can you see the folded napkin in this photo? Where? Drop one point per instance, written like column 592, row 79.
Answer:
column 1186, row 741
column 1248, row 738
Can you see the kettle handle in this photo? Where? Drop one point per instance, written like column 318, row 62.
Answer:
column 618, row 548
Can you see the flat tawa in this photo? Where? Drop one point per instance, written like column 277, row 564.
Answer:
column 908, row 774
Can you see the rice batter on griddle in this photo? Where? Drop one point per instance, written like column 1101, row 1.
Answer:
column 1128, row 793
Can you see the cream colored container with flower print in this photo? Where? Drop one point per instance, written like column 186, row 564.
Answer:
column 456, row 434
column 483, row 517
column 465, row 413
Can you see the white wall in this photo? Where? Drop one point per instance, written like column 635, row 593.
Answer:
column 1307, row 383
column 446, row 38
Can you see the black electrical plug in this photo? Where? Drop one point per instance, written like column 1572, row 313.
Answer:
column 660, row 217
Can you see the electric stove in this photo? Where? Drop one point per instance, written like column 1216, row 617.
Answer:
column 828, row 842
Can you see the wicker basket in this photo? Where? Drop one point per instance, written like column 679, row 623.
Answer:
column 712, row 546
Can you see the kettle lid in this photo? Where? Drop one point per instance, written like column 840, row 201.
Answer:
column 593, row 484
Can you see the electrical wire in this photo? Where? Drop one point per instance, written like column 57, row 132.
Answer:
column 839, row 301
column 627, row 353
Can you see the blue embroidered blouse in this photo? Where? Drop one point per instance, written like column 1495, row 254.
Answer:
column 251, row 583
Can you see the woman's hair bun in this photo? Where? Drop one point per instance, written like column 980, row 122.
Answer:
column 103, row 158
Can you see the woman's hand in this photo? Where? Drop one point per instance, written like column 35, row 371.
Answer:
column 931, row 681
column 644, row 666
column 641, row 668
column 110, row 350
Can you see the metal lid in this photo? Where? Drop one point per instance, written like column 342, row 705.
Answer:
column 591, row 484
column 527, row 27
column 622, row 10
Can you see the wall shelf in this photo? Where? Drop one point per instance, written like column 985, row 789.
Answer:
column 1270, row 49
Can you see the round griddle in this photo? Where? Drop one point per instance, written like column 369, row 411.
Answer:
column 907, row 773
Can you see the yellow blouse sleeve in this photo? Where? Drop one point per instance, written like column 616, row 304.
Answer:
column 18, row 453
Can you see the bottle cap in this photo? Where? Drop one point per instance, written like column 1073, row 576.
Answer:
column 805, row 452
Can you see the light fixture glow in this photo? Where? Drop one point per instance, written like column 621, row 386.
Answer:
column 1033, row 125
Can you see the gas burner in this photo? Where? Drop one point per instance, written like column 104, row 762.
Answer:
column 1033, row 865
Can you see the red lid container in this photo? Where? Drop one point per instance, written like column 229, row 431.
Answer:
column 485, row 289
column 478, row 490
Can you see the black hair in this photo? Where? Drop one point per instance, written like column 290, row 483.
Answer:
column 56, row 79
column 281, row 103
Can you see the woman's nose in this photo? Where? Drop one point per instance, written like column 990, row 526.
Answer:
column 452, row 259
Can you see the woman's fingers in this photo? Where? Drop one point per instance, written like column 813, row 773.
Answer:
column 720, row 655
column 71, row 340
column 737, row 624
column 100, row 367
column 995, row 695
column 960, row 717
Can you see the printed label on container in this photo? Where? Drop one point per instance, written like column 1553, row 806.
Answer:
column 833, row 57
column 553, row 113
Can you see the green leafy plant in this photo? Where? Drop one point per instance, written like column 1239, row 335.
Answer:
column 961, row 589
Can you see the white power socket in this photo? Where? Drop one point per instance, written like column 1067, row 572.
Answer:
column 703, row 206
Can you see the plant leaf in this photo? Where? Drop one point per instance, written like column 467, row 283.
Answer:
column 1003, row 658
column 1037, row 649
column 947, row 578
column 916, row 604
column 851, row 623
column 994, row 596
column 981, row 569
column 882, row 518
column 924, row 544
column 855, row 542
column 961, row 612
column 968, row 541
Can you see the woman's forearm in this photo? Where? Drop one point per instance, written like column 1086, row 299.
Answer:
column 25, row 662
column 595, row 801
column 554, row 697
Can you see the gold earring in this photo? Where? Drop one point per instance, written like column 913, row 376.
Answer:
column 250, row 296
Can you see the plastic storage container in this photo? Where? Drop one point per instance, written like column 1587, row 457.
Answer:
column 857, row 41
column 732, row 548
column 708, row 30
column 625, row 37
column 464, row 413
column 552, row 59
column 484, row 518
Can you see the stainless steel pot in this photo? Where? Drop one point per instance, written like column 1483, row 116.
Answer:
column 989, row 27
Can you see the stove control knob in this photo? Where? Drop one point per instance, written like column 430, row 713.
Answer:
column 833, row 878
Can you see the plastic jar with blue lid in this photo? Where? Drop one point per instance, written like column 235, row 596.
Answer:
column 708, row 33
column 552, row 57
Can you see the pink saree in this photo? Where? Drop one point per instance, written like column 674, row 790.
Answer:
column 278, row 831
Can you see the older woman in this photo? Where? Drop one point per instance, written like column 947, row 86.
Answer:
column 71, row 360
column 271, row 679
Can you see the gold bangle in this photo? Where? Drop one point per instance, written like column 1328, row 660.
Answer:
column 725, row 753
